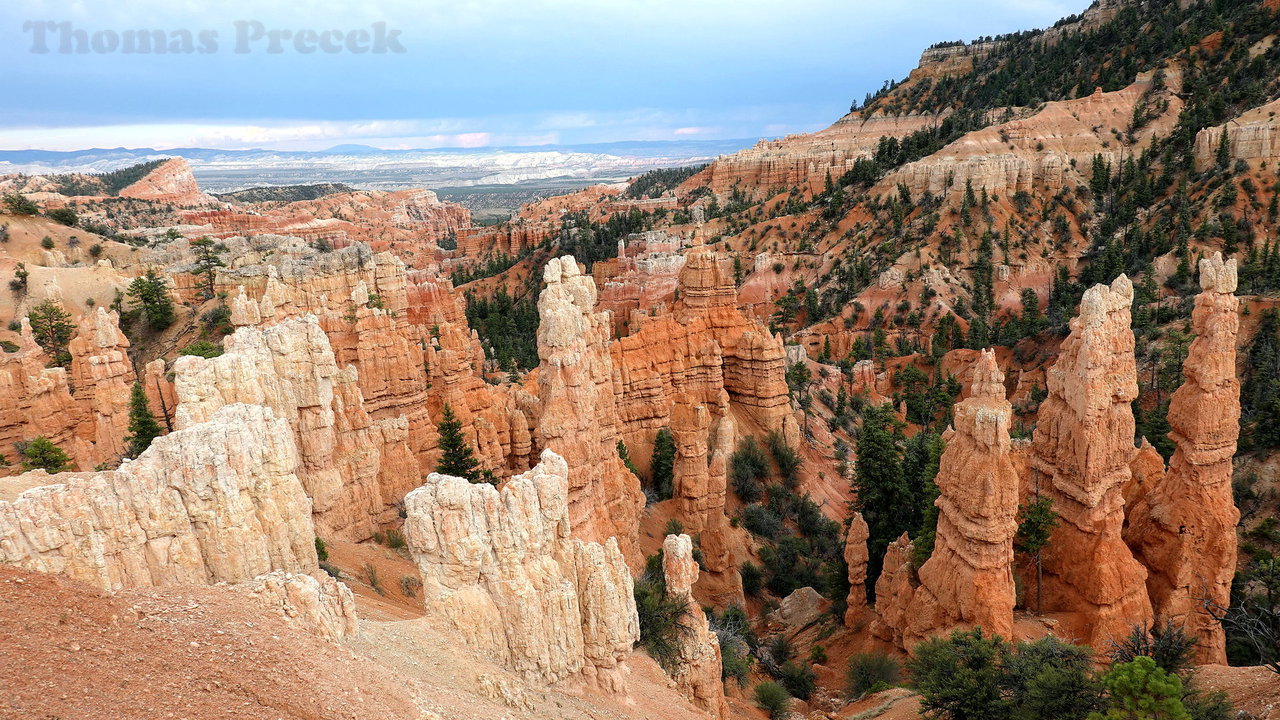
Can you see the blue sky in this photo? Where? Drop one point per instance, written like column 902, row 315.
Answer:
column 474, row 72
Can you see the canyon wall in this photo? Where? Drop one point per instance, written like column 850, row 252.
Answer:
column 354, row 468
column 219, row 501
column 1183, row 529
column 502, row 569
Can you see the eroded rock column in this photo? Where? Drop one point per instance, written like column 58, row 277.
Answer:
column 697, row 670
column 1183, row 528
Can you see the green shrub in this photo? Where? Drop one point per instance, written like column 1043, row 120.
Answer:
column 322, row 550
column 42, row 454
column 20, row 205
column 46, row 242
column 371, row 577
column 736, row 640
column 799, row 679
column 395, row 538
column 818, row 655
column 673, row 527
column 773, row 699
column 1140, row 689
column 202, row 348
column 752, row 579
column 64, row 216
column 660, row 620
column 786, row 458
column 761, row 521
column 748, row 467
column 662, row 465
column 867, row 670
column 1166, row 644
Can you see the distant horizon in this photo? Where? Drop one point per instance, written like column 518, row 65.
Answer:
column 405, row 75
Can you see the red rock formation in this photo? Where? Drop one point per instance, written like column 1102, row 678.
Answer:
column 968, row 581
column 579, row 418
column 1184, row 528
column 103, row 377
column 171, row 182
column 895, row 589
column 1080, row 460
column 856, row 557
column 697, row 666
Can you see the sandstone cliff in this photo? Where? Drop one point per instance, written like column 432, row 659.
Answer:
column 353, row 468
column 316, row 603
column 217, row 501
column 1184, row 528
column 501, row 568
column 1080, row 460
column 697, row 671
column 170, row 182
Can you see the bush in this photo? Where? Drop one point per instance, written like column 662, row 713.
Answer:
column 64, row 216
column 761, row 521
column 747, row 468
column 42, row 454
column 395, row 538
column 202, row 348
column 219, row 319
column 371, row 577
column 409, row 585
column 734, row 635
column 960, row 675
column 867, row 670
column 786, row 458
column 673, row 527
column 1140, row 689
column 773, row 699
column 322, row 551
column 752, row 579
column 660, row 620
column 20, row 205
column 800, row 680
column 95, row 250
column 662, row 465
column 46, row 242
column 1166, row 644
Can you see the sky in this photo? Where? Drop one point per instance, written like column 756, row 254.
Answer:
column 462, row 73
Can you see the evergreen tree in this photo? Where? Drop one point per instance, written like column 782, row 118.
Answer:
column 143, row 427
column 1036, row 522
column 150, row 292
column 207, row 262
column 456, row 457
column 52, row 327
column 662, row 467
column 1140, row 690
column 884, row 498
column 42, row 454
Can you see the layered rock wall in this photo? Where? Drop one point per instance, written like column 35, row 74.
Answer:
column 219, row 501
column 502, row 569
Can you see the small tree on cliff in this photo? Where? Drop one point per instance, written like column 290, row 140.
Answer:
column 1036, row 522
column 143, row 427
column 208, row 261
column 52, row 327
column 150, row 292
column 456, row 457
column 663, row 465
column 42, row 454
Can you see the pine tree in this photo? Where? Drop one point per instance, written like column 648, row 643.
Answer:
column 1224, row 151
column 42, row 454
column 143, row 427
column 207, row 264
column 1036, row 522
column 662, row 467
column 52, row 327
column 456, row 457
column 151, row 293
column 883, row 496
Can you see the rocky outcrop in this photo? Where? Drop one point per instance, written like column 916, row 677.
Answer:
column 103, row 377
column 579, row 418
column 354, row 468
column 895, row 589
column 1253, row 137
column 1183, row 529
column 84, row 409
column 696, row 668
column 316, row 603
column 219, row 501
column 502, row 569
column 1080, row 460
column 968, row 581
column 856, row 557
column 170, row 182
